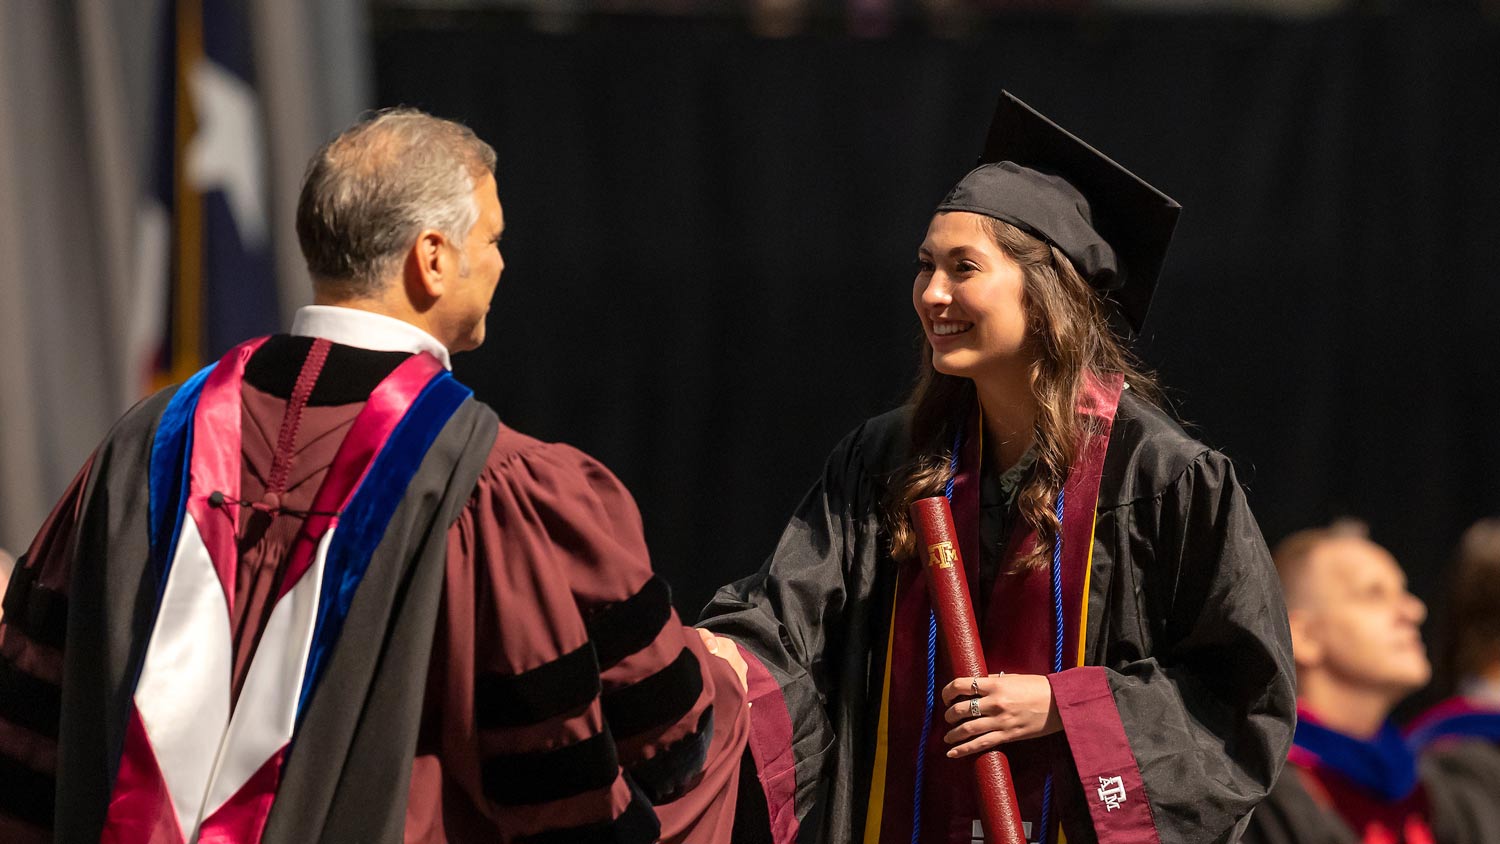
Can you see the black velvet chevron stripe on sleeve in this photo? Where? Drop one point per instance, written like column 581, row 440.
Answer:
column 669, row 774
column 623, row 628
column 26, row 794
column 561, row 687
column 39, row 613
column 636, row 825
column 656, row 701
column 29, row 701
column 523, row 779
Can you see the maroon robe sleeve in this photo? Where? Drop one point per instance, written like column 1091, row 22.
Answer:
column 572, row 697
column 677, row 714
column 32, row 630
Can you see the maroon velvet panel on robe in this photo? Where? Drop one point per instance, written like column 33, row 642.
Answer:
column 265, row 540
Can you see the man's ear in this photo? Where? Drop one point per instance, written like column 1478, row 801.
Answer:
column 1307, row 642
column 432, row 262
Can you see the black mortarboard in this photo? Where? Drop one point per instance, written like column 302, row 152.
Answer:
column 1113, row 226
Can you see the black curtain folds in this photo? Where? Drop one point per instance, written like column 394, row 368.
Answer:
column 711, row 240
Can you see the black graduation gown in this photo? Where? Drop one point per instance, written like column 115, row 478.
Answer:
column 1473, row 759
column 1468, row 768
column 1185, row 618
column 1460, row 811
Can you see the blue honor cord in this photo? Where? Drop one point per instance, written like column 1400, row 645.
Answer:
column 1057, row 655
column 916, row 804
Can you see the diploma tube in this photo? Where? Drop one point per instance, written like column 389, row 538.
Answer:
column 949, row 593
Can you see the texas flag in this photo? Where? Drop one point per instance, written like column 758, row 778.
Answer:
column 205, row 278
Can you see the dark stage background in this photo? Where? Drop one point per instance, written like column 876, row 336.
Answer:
column 711, row 239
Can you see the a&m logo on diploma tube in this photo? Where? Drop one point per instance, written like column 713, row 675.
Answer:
column 941, row 555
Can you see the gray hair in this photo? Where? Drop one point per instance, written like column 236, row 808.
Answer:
column 370, row 191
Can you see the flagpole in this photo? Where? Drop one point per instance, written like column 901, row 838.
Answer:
column 187, row 210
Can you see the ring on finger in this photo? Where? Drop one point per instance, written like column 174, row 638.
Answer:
column 974, row 685
column 974, row 707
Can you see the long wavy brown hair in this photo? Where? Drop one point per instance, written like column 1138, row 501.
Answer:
column 1069, row 337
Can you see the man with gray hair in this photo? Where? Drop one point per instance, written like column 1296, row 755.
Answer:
column 319, row 592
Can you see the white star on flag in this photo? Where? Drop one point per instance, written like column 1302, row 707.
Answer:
column 227, row 153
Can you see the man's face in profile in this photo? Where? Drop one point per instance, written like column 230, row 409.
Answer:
column 471, row 295
column 1353, row 618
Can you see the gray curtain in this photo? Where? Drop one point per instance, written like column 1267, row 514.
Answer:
column 76, row 120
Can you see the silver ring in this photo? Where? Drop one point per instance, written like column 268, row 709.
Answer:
column 974, row 707
column 974, row 685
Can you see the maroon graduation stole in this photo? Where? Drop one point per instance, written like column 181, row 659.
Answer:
column 947, row 815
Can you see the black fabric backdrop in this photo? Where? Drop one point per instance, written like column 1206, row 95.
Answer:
column 711, row 240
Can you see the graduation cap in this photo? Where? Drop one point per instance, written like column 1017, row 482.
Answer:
column 1036, row 175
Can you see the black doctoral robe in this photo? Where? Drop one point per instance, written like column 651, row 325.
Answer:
column 1465, row 774
column 1185, row 624
column 1457, row 811
column 1459, row 752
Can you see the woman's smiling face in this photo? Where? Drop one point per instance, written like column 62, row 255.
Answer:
column 970, row 296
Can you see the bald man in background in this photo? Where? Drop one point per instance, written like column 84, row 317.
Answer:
column 1357, row 644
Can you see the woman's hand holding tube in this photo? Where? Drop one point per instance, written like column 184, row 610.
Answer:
column 1011, row 707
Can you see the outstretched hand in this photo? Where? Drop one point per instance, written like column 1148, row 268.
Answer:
column 725, row 648
column 1011, row 707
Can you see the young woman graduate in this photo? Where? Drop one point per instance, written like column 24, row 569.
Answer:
column 1120, row 581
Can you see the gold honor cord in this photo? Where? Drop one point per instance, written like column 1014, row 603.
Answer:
column 1083, row 630
column 876, row 808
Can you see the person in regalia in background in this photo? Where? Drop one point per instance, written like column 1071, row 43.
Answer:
column 1356, row 636
column 7, row 563
column 1460, row 736
column 1119, row 579
column 320, row 593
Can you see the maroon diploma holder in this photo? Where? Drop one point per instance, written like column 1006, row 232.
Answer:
column 949, row 591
